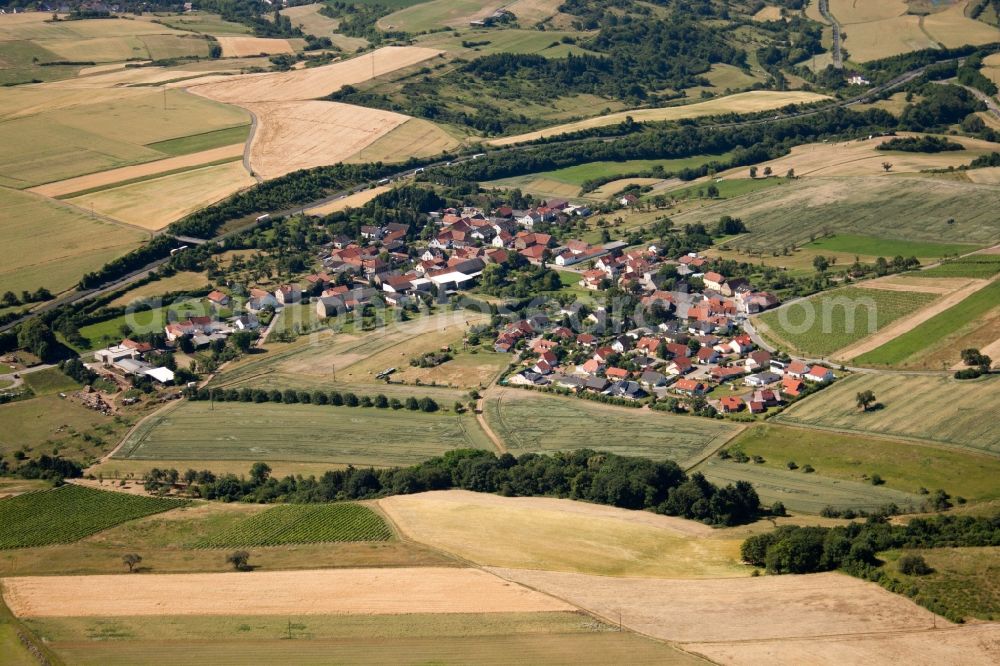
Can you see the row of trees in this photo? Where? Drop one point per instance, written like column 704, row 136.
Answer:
column 593, row 476
column 291, row 396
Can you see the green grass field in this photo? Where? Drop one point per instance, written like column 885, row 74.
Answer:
column 205, row 141
column 49, row 381
column 70, row 513
column 729, row 188
column 50, row 424
column 904, row 209
column 929, row 408
column 22, row 63
column 906, row 467
column 983, row 266
column 965, row 582
column 50, row 245
column 880, row 247
column 826, row 322
column 917, row 340
column 446, row 638
column 579, row 174
column 109, row 331
column 532, row 422
column 805, row 493
column 303, row 523
column 304, row 433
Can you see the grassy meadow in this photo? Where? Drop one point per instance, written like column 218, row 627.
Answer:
column 928, row 408
column 50, row 381
column 304, row 433
column 881, row 247
column 531, row 422
column 965, row 582
column 980, row 266
column 826, row 322
column 911, row 348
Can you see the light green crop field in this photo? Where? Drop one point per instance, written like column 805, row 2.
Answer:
column 46, row 244
column 303, row 523
column 69, row 513
column 22, row 63
column 49, row 381
column 494, row 639
column 904, row 466
column 304, row 433
column 806, row 493
column 880, row 247
column 982, row 266
column 577, row 175
column 904, row 209
column 929, row 408
column 54, row 134
column 826, row 322
column 206, row 141
column 910, row 347
column 528, row 421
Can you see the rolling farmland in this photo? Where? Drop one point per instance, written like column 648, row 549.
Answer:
column 302, row 433
column 833, row 320
column 532, row 422
column 70, row 513
column 925, row 408
column 303, row 523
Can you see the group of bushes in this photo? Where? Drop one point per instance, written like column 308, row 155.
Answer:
column 593, row 476
column 291, row 396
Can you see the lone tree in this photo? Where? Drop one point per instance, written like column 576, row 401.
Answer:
column 767, row 172
column 240, row 560
column 821, row 263
column 886, row 166
column 753, row 172
column 130, row 560
column 865, row 400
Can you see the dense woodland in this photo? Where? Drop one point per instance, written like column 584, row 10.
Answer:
column 593, row 476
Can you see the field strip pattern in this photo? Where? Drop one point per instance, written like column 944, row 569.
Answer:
column 316, row 592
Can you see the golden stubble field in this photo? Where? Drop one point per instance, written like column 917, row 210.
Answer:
column 316, row 592
column 240, row 46
column 748, row 102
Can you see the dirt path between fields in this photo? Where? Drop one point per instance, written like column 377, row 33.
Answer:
column 897, row 328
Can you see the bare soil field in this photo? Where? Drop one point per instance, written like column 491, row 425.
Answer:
column 153, row 204
column 774, row 608
column 103, row 178
column 862, row 158
column 239, row 46
column 318, row 592
column 356, row 200
column 414, row 138
column 748, row 102
column 897, row 328
column 563, row 535
column 315, row 82
column 971, row 645
column 302, row 135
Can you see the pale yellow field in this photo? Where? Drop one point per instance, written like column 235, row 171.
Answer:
column 563, row 535
column 987, row 176
column 768, row 14
column 153, row 204
column 952, row 27
column 991, row 68
column 36, row 26
column 318, row 592
column 176, row 282
column 540, row 186
column 238, row 46
column 48, row 244
column 135, row 76
column 862, row 158
column 530, row 12
column 862, row 11
column 414, row 138
column 310, row 20
column 301, row 135
column 316, row 82
column 748, row 102
column 355, row 200
column 81, row 183
column 881, row 39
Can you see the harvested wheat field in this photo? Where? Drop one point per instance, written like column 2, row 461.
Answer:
column 563, row 535
column 316, row 82
column 862, row 158
column 318, row 592
column 952, row 28
column 356, row 200
column 302, row 135
column 104, row 178
column 155, row 203
column 748, row 102
column 414, row 138
column 768, row 14
column 239, row 46
column 986, row 176
column 848, row 12
column 970, row 645
column 736, row 609
column 873, row 40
